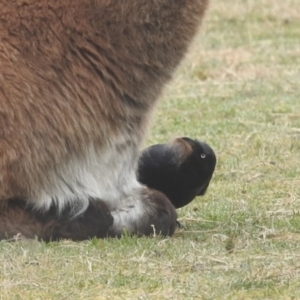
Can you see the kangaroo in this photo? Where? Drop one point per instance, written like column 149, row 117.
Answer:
column 78, row 82
column 182, row 169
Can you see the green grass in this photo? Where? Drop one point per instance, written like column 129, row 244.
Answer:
column 239, row 91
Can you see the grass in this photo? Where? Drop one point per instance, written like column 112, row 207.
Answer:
column 239, row 91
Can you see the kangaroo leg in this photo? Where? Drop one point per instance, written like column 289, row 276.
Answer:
column 17, row 217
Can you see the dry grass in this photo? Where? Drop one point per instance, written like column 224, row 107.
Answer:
column 239, row 91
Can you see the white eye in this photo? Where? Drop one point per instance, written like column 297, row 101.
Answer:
column 203, row 155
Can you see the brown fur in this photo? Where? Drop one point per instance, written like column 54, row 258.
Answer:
column 76, row 74
column 183, row 149
column 17, row 217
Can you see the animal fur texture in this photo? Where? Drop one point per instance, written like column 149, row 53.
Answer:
column 78, row 82
column 182, row 169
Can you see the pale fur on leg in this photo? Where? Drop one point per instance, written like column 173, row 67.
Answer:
column 107, row 174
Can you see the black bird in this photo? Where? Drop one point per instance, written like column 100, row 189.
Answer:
column 182, row 170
